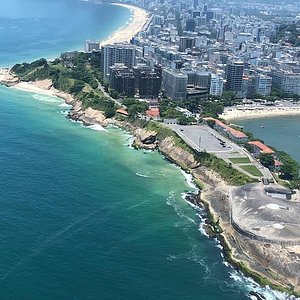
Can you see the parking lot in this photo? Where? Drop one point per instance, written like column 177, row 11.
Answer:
column 203, row 138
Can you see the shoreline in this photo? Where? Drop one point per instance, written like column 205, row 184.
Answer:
column 235, row 113
column 212, row 188
column 136, row 24
column 43, row 87
column 215, row 187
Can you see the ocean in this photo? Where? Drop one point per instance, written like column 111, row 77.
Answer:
column 83, row 215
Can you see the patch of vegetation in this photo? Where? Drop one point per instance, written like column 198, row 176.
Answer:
column 288, row 33
column 289, row 170
column 218, row 165
column 240, row 160
column 251, row 170
column 267, row 160
column 74, row 73
column 134, row 107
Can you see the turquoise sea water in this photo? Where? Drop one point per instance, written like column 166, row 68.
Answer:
column 30, row 29
column 83, row 215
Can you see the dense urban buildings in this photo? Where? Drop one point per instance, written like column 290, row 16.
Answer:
column 204, row 48
column 117, row 53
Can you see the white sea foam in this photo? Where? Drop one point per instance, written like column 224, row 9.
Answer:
column 65, row 105
column 171, row 200
column 46, row 98
column 248, row 284
column 189, row 180
column 142, row 175
column 96, row 127
column 64, row 112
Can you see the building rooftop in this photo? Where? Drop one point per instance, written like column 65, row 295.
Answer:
column 262, row 147
column 234, row 132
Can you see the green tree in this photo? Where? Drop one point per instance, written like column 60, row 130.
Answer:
column 267, row 160
column 290, row 168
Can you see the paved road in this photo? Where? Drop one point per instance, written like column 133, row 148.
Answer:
column 102, row 89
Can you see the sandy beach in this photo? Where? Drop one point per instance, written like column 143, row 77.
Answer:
column 235, row 113
column 139, row 19
column 124, row 34
column 40, row 87
column 43, row 87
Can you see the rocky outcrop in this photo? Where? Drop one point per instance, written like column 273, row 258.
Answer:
column 88, row 116
column 145, row 139
column 176, row 154
column 91, row 116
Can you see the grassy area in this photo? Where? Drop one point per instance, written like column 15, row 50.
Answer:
column 77, row 75
column 251, row 170
column 229, row 174
column 240, row 160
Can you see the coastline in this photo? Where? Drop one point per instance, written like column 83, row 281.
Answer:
column 43, row 87
column 124, row 34
column 238, row 113
column 215, row 187
column 242, row 253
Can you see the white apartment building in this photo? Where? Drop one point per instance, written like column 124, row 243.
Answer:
column 216, row 85
column 263, row 85
column 117, row 53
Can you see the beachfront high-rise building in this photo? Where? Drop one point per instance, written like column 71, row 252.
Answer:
column 287, row 81
column 248, row 86
column 216, row 85
column 122, row 80
column 137, row 70
column 234, row 76
column 117, row 53
column 91, row 46
column 263, row 85
column 149, row 84
column 174, row 84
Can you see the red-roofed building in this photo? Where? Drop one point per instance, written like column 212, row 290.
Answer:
column 259, row 148
column 277, row 165
column 233, row 134
column 122, row 111
column 153, row 112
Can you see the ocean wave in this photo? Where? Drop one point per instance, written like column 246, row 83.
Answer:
column 142, row 175
column 248, row 284
column 194, row 256
column 172, row 201
column 65, row 105
column 64, row 112
column 46, row 98
column 96, row 127
column 189, row 180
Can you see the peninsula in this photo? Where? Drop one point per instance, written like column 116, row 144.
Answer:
column 250, row 189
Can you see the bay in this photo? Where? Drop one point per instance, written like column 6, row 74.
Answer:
column 280, row 132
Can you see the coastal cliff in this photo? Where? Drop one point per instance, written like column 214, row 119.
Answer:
column 268, row 264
